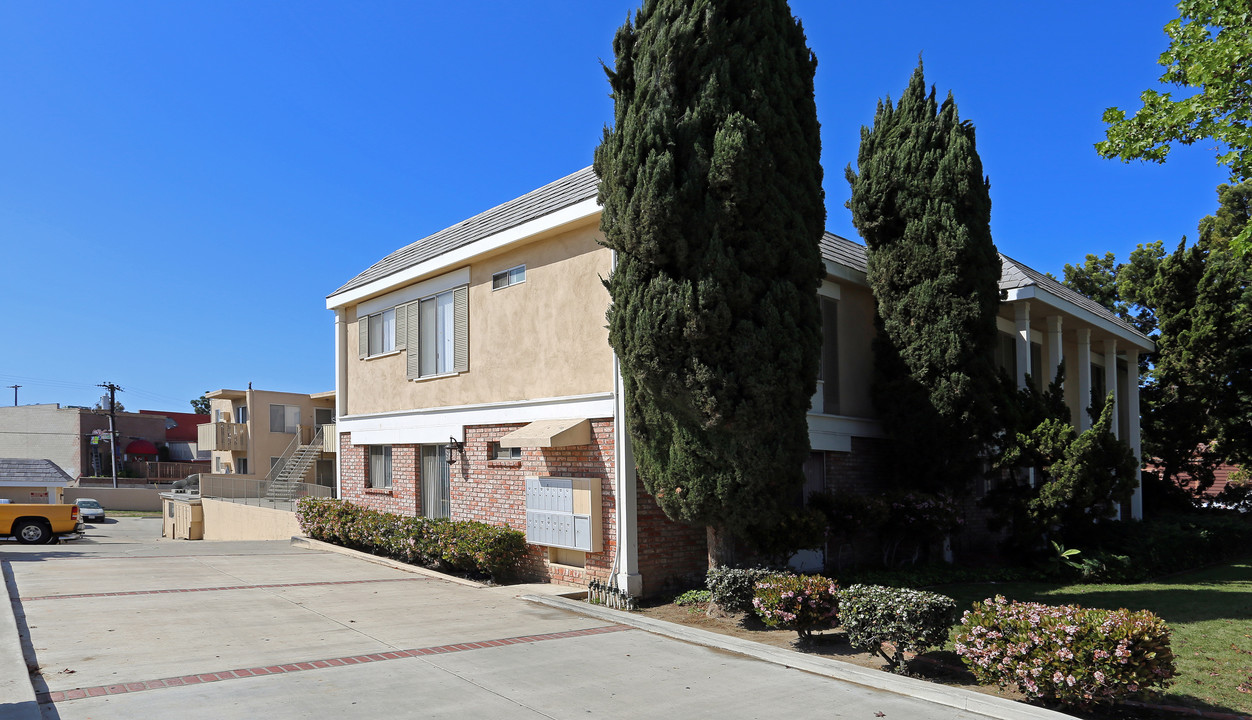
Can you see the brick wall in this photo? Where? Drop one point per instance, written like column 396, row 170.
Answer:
column 403, row 495
column 859, row 470
column 672, row 556
column 493, row 491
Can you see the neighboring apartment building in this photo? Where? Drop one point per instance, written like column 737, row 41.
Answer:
column 76, row 438
column 474, row 380
column 250, row 430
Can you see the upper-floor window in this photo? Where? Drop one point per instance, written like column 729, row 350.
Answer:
column 284, row 418
column 434, row 330
column 382, row 332
column 241, row 414
column 512, row 276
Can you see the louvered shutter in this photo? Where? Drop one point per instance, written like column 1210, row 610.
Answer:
column 363, row 328
column 460, row 322
column 413, row 363
column 401, row 325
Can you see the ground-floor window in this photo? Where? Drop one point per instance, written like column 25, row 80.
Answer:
column 380, row 466
column 436, row 482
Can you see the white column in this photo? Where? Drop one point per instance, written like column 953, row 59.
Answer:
column 1132, row 432
column 626, row 564
column 1110, row 382
column 1084, row 378
column 341, row 390
column 1021, row 314
column 1055, row 348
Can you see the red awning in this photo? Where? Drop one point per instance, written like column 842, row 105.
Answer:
column 141, row 447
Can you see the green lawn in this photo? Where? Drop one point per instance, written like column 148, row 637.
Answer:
column 1208, row 611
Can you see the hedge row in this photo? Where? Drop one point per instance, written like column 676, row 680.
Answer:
column 456, row 545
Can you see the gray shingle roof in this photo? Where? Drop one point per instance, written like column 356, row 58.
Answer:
column 577, row 187
column 1014, row 274
column 40, row 472
column 569, row 190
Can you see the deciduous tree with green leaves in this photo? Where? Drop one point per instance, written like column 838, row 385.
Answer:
column 711, row 187
column 1210, row 54
column 922, row 204
column 1197, row 302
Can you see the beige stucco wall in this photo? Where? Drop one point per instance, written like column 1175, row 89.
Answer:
column 232, row 521
column 856, row 353
column 545, row 337
column 36, row 494
column 118, row 498
column 42, row 432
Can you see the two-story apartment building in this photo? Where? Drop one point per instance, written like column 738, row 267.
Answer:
column 251, row 430
column 474, row 380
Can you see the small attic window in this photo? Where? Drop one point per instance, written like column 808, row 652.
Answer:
column 512, row 276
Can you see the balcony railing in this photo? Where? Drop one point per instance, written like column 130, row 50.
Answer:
column 222, row 436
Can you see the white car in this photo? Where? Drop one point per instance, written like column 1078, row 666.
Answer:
column 90, row 510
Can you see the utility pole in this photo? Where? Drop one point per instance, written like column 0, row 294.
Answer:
column 15, row 387
column 112, row 425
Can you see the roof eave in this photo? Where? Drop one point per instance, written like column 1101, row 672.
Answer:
column 1034, row 292
column 457, row 257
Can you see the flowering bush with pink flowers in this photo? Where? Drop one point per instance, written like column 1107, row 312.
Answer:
column 1074, row 655
column 803, row 603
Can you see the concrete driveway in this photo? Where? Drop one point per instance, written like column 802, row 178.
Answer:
column 126, row 625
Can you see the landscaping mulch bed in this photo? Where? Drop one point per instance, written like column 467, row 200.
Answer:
column 941, row 666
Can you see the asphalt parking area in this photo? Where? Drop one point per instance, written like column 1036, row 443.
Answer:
column 135, row 627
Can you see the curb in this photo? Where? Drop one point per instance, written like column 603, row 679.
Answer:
column 959, row 698
column 311, row 544
column 18, row 694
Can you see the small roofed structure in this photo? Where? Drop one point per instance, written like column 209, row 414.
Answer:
column 24, row 480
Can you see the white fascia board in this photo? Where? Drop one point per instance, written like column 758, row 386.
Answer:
column 1034, row 292
column 437, row 425
column 459, row 256
column 843, row 272
column 834, row 433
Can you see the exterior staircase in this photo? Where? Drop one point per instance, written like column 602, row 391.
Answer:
column 288, row 473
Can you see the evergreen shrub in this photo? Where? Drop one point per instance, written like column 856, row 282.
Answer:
column 908, row 620
column 732, row 589
column 458, row 545
column 803, row 603
column 1069, row 654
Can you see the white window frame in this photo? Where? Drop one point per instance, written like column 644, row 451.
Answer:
column 380, row 463
column 241, row 415
column 288, row 428
column 508, row 278
column 382, row 333
column 503, row 453
column 437, row 337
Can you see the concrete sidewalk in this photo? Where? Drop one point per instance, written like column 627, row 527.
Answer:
column 138, row 627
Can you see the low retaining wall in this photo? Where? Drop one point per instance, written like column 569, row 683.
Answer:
column 118, row 498
column 225, row 520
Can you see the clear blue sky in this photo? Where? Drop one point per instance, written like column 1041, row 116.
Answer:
column 182, row 183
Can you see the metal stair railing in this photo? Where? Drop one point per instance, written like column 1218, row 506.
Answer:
column 287, row 475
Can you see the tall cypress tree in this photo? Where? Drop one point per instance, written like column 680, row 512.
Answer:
column 922, row 204
column 711, row 187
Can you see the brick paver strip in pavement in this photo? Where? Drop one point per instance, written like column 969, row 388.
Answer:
column 128, row 593
column 130, row 687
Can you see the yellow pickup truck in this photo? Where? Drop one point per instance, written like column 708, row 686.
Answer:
column 31, row 524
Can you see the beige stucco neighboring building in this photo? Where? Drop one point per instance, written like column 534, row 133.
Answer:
column 474, row 380
column 251, row 429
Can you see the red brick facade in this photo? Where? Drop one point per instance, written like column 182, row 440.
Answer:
column 493, row 491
